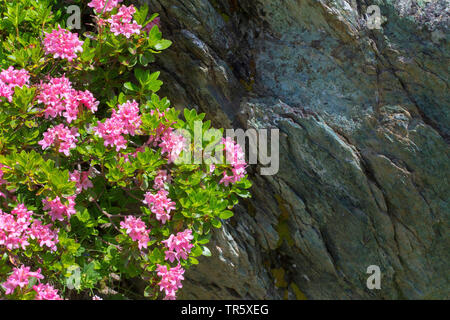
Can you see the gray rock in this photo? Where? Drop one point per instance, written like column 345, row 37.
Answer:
column 364, row 131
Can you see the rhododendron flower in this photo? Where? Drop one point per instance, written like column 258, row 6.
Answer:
column 6, row 91
column 46, row 292
column 100, row 6
column 126, row 120
column 81, row 179
column 14, row 230
column 179, row 246
column 44, row 235
column 236, row 157
column 128, row 114
column 60, row 99
column 60, row 136
column 123, row 23
column 172, row 144
column 170, row 280
column 58, row 210
column 155, row 139
column 151, row 24
column 137, row 230
column 15, row 78
column 161, row 179
column 160, row 204
column 87, row 99
column 20, row 278
column 62, row 43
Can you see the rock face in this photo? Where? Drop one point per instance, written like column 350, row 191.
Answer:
column 364, row 122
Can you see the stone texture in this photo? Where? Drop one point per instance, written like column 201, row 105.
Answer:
column 364, row 132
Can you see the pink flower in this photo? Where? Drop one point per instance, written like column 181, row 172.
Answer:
column 81, row 179
column 46, row 292
column 44, row 235
column 20, row 278
column 60, row 136
column 172, row 144
column 161, row 179
column 111, row 132
column 123, row 23
column 236, row 157
column 151, row 24
column 179, row 246
column 126, row 120
column 58, row 210
column 15, row 78
column 60, row 99
column 170, row 280
column 87, row 99
column 62, row 43
column 137, row 230
column 96, row 298
column 155, row 139
column 6, row 91
column 99, row 5
column 160, row 205
column 14, row 231
column 128, row 114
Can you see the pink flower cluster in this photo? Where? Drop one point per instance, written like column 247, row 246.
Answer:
column 58, row 210
column 123, row 23
column 6, row 91
column 46, row 292
column 44, row 235
column 60, row 99
column 155, row 139
column 172, row 144
column 179, row 246
column 62, row 43
column 126, row 120
column 15, row 78
column 161, row 179
column 11, row 78
column 99, row 5
column 81, row 179
column 170, row 280
column 21, row 278
column 137, row 230
column 16, row 229
column 160, row 204
column 60, row 136
column 236, row 157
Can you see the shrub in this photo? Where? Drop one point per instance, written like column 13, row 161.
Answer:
column 95, row 183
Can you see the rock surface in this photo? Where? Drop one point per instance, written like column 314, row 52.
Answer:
column 364, row 122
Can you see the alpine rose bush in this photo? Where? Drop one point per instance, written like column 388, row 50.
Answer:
column 96, row 177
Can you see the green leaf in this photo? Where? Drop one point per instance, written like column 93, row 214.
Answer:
column 216, row 223
column 226, row 214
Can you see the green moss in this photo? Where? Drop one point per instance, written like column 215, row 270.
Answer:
column 278, row 274
column 282, row 227
column 298, row 293
column 225, row 17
